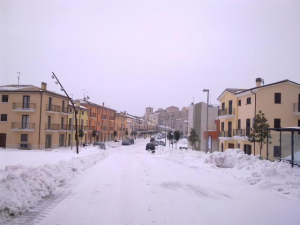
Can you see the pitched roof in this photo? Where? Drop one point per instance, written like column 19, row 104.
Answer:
column 26, row 88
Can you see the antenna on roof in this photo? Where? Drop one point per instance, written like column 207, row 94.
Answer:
column 87, row 95
column 19, row 77
column 263, row 81
column 84, row 94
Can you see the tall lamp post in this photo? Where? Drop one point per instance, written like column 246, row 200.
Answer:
column 207, row 90
column 62, row 88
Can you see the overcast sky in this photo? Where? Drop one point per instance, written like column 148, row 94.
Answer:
column 135, row 54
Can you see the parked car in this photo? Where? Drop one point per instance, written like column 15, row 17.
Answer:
column 150, row 146
column 101, row 145
column 181, row 147
column 162, row 143
column 126, row 142
column 156, row 143
column 131, row 141
column 152, row 139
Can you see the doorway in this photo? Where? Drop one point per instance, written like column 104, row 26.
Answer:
column 2, row 140
column 48, row 141
column 247, row 149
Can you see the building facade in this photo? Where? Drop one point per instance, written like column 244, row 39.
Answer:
column 197, row 121
column 278, row 101
column 32, row 117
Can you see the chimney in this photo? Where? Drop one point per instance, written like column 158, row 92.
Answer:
column 44, row 86
column 258, row 82
column 102, row 103
column 77, row 104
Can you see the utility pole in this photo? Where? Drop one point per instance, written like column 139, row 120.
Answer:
column 62, row 88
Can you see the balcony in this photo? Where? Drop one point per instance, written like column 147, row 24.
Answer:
column 226, row 113
column 241, row 134
column 226, row 135
column 66, row 110
column 53, row 108
column 104, row 117
column 24, row 107
column 92, row 115
column 92, row 128
column 296, row 109
column 22, row 126
column 104, row 128
column 111, row 118
column 85, row 127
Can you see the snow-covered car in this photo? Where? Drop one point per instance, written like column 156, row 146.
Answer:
column 156, row 143
column 126, row 142
column 101, row 145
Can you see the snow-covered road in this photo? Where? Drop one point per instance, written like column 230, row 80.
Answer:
column 132, row 186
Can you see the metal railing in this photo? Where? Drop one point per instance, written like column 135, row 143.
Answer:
column 51, row 126
column 24, row 106
column 53, row 108
column 66, row 110
column 239, row 132
column 225, row 112
column 93, row 115
column 85, row 127
column 92, row 127
column 296, row 107
column 104, row 117
column 112, row 118
column 225, row 134
column 21, row 126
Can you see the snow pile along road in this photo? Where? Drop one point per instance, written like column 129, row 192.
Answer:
column 22, row 187
column 275, row 176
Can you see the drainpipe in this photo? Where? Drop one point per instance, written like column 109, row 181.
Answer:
column 41, row 100
column 254, row 113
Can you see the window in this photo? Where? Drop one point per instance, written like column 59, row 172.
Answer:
column 247, row 127
column 239, row 123
column 222, row 126
column 277, row 98
column 4, row 98
column 3, row 117
column 82, row 112
column 277, row 152
column 240, row 102
column 24, row 137
column 277, row 123
column 248, row 101
column 223, row 105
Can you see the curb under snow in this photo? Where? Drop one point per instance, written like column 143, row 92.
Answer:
column 23, row 187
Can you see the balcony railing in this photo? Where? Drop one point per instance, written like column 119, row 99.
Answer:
column 93, row 115
column 112, row 118
column 296, row 108
column 24, row 106
column 23, row 126
column 53, row 108
column 51, row 126
column 225, row 112
column 239, row 132
column 104, row 117
column 225, row 134
column 104, row 128
column 85, row 127
column 66, row 110
column 92, row 128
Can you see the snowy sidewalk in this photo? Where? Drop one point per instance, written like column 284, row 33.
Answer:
column 132, row 187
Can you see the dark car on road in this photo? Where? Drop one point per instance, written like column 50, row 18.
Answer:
column 150, row 146
column 126, row 142
column 131, row 141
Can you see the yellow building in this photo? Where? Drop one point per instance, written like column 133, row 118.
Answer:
column 32, row 117
column 279, row 102
column 121, row 126
column 82, row 124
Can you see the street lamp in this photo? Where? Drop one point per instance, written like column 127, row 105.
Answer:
column 207, row 90
column 62, row 89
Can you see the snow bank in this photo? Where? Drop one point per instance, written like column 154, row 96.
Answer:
column 275, row 176
column 22, row 187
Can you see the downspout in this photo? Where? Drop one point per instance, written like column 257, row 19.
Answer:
column 254, row 113
column 41, row 100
